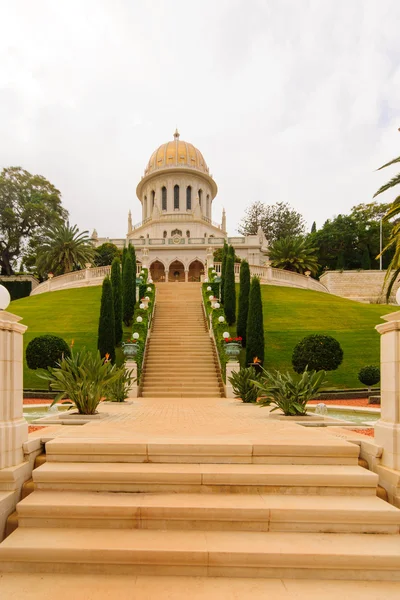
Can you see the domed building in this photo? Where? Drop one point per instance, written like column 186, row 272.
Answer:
column 177, row 235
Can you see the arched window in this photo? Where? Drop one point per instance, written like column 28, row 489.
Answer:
column 164, row 198
column 145, row 208
column 188, row 198
column 176, row 197
column 200, row 196
column 208, row 206
column 153, row 198
column 188, row 233
column 165, row 234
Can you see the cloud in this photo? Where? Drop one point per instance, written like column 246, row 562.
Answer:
column 287, row 100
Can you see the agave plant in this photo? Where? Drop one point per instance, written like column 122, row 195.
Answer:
column 288, row 394
column 82, row 378
column 243, row 384
column 118, row 389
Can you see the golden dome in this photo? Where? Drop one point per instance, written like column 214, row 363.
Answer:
column 176, row 153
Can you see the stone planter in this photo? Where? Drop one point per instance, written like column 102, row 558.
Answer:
column 130, row 349
column 232, row 349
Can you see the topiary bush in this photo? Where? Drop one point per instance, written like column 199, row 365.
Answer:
column 255, row 324
column 244, row 292
column 318, row 352
column 369, row 376
column 46, row 351
column 106, row 331
column 230, row 291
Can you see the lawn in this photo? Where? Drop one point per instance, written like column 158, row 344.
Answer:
column 289, row 315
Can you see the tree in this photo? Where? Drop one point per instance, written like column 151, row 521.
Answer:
column 317, row 353
column 255, row 324
column 116, row 282
column 106, row 332
column 314, row 227
column 105, row 254
column 131, row 251
column 46, row 351
column 369, row 376
column 128, row 291
column 219, row 253
column 366, row 259
column 393, row 212
column 63, row 249
column 230, row 290
column 277, row 221
column 223, row 269
column 124, row 253
column 29, row 204
column 294, row 254
column 244, row 292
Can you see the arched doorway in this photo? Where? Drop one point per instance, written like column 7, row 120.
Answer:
column 196, row 269
column 157, row 271
column 176, row 271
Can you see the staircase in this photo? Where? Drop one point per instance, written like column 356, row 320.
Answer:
column 181, row 361
column 255, row 516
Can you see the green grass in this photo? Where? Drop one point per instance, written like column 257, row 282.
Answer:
column 289, row 315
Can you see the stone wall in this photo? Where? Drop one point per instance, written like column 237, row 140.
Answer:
column 363, row 286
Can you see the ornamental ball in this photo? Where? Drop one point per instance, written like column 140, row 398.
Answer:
column 221, row 319
column 209, row 288
column 226, row 334
column 139, row 319
column 135, row 336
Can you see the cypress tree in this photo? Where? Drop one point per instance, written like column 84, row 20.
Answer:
column 230, row 290
column 128, row 291
column 131, row 250
column 124, row 253
column 244, row 292
column 314, row 227
column 106, row 333
column 366, row 259
column 223, row 269
column 116, row 283
column 255, row 325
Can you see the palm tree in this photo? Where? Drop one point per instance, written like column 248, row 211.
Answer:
column 393, row 270
column 63, row 249
column 293, row 254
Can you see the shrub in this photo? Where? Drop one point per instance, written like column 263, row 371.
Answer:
column 116, row 283
column 244, row 292
column 17, row 289
column 105, row 254
column 82, row 378
column 255, row 324
column 369, row 376
column 132, row 253
column 46, row 351
column 223, row 270
column 243, row 384
column 318, row 352
column 106, row 332
column 230, row 291
column 128, row 291
column 118, row 389
column 287, row 394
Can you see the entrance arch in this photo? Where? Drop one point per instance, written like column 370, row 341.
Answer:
column 176, row 271
column 196, row 268
column 157, row 271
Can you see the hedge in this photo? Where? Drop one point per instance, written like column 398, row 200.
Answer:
column 17, row 289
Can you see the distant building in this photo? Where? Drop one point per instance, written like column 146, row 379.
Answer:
column 177, row 236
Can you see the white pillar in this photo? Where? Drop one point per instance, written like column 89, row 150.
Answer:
column 230, row 368
column 387, row 429
column 131, row 365
column 13, row 427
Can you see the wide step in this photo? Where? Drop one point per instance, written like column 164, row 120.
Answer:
column 209, row 512
column 204, row 553
column 153, row 477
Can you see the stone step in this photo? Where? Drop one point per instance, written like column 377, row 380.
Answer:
column 183, row 378
column 201, row 450
column 176, row 394
column 212, row 553
column 242, row 478
column 209, row 512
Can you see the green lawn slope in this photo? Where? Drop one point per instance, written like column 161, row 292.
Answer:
column 289, row 315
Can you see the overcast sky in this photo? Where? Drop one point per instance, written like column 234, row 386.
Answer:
column 288, row 100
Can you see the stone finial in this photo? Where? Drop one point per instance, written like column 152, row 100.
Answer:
column 130, row 227
column 223, row 224
column 176, row 134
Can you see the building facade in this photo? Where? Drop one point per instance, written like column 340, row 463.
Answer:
column 177, row 236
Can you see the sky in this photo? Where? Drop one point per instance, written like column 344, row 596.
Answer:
column 288, row 100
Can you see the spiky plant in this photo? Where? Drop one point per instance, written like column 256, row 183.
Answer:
column 294, row 254
column 63, row 249
column 393, row 270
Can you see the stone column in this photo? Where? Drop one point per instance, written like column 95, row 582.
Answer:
column 387, row 429
column 186, row 276
column 131, row 365
column 13, row 427
column 230, row 367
